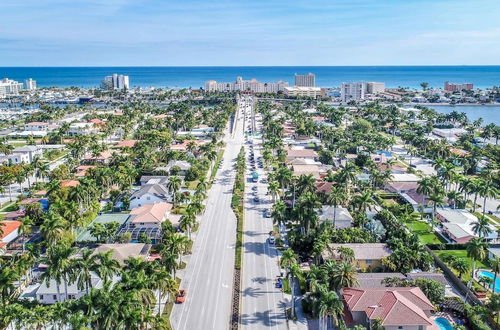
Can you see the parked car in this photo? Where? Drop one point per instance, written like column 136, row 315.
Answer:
column 271, row 240
column 256, row 199
column 180, row 296
column 267, row 213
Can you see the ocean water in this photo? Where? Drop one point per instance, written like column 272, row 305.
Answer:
column 326, row 76
column 489, row 113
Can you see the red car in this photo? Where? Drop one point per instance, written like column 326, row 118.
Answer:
column 180, row 297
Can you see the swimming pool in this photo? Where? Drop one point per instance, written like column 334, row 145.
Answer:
column 443, row 324
column 492, row 276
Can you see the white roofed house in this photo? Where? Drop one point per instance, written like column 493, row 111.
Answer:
column 36, row 126
column 30, row 151
column 150, row 194
column 458, row 225
column 82, row 129
column 47, row 292
column 343, row 218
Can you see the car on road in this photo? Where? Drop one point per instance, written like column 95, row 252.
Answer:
column 263, row 180
column 271, row 240
column 254, row 188
column 255, row 193
column 267, row 213
column 180, row 296
column 256, row 199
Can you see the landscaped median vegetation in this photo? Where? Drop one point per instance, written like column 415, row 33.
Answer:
column 237, row 205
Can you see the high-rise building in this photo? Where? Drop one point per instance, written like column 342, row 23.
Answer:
column 9, row 87
column 354, row 91
column 451, row 87
column 251, row 85
column 305, row 80
column 116, row 82
column 374, row 87
column 30, row 84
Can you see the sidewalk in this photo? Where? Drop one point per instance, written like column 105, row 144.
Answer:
column 301, row 322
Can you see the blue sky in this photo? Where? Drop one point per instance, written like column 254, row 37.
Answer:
column 257, row 32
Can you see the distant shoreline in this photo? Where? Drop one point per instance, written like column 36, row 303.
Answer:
column 455, row 105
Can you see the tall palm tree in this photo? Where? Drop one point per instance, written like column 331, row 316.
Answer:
column 476, row 250
column 344, row 276
column 107, row 266
column 487, row 190
column 273, row 189
column 328, row 305
column 364, row 200
column 495, row 267
column 83, row 268
column 288, row 261
column 481, row 227
column 165, row 285
column 279, row 213
column 58, row 261
column 187, row 221
column 174, row 184
column 336, row 198
column 494, row 306
column 53, row 228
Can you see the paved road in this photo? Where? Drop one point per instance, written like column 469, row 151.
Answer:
column 263, row 305
column 208, row 276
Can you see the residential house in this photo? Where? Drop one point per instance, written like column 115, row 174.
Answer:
column 395, row 308
column 122, row 252
column 36, row 126
column 457, row 225
column 343, row 218
column 18, row 158
column 147, row 220
column 366, row 255
column 301, row 153
column 153, row 179
column 47, row 293
column 30, row 151
column 81, row 170
column 493, row 252
column 180, row 167
column 150, row 194
column 10, row 231
column 82, row 129
column 125, row 144
column 102, row 158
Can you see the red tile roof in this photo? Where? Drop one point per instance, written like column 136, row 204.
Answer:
column 151, row 212
column 8, row 227
column 70, row 183
column 324, row 187
column 29, row 201
column 394, row 306
column 125, row 144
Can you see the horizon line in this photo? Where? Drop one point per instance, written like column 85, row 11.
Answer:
column 249, row 66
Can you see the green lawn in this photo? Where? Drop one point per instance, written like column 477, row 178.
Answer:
column 461, row 254
column 424, row 232
column 191, row 185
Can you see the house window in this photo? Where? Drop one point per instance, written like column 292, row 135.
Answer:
column 71, row 296
column 54, row 297
column 368, row 261
column 400, row 327
column 41, row 297
column 142, row 223
column 148, row 198
column 420, row 327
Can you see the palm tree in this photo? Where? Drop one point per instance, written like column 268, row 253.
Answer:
column 306, row 183
column 107, row 266
column 337, row 197
column 83, row 268
column 279, row 213
column 53, row 228
column 476, row 249
column 461, row 265
column 187, row 221
column 481, row 227
column 495, row 267
column 494, row 306
column 344, row 276
column 165, row 285
column 486, row 189
column 24, row 229
column 288, row 261
column 273, row 189
column 328, row 305
column 8, row 276
column 173, row 185
column 58, row 261
column 364, row 200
